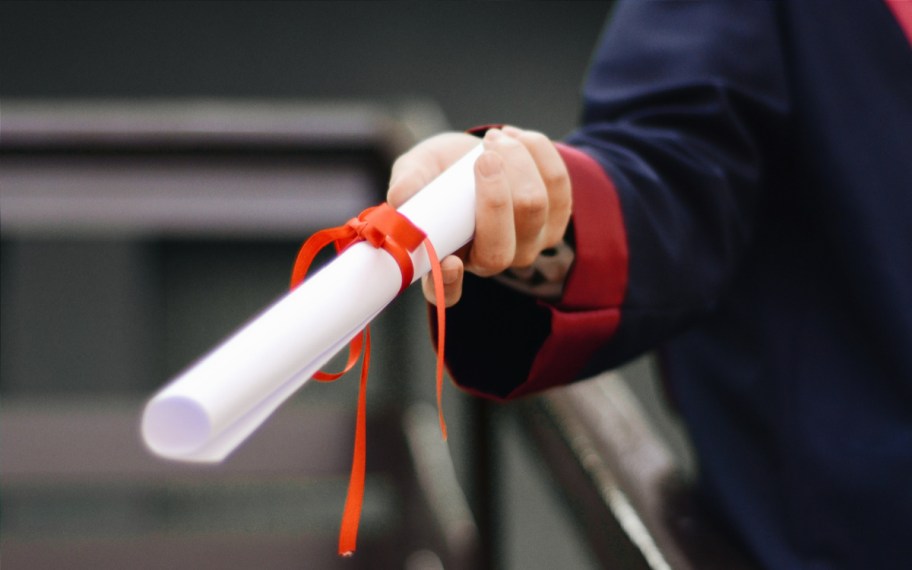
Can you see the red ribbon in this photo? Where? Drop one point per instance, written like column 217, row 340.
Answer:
column 384, row 228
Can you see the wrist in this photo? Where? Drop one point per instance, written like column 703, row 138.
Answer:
column 546, row 277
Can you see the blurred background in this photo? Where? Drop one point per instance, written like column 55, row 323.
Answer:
column 480, row 62
column 161, row 162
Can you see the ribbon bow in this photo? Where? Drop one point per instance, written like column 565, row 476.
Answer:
column 384, row 228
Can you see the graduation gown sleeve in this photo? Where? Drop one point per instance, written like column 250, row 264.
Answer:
column 682, row 107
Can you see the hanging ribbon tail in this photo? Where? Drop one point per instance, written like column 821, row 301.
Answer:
column 351, row 516
column 437, row 276
column 384, row 228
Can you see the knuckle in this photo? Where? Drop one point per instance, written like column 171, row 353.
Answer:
column 492, row 262
column 556, row 178
column 552, row 237
column 494, row 201
column 533, row 202
column 525, row 258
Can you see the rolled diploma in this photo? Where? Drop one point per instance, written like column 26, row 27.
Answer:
column 208, row 410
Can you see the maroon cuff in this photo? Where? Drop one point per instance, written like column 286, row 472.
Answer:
column 589, row 312
column 598, row 279
column 480, row 130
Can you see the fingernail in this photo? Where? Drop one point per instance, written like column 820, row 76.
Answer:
column 494, row 134
column 511, row 131
column 450, row 276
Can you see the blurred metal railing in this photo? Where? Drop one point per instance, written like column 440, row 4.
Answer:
column 627, row 490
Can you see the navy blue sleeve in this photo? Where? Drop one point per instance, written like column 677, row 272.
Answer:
column 683, row 108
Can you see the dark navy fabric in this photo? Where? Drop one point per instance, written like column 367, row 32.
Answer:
column 762, row 152
column 763, row 155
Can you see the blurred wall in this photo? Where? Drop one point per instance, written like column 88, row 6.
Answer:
column 518, row 62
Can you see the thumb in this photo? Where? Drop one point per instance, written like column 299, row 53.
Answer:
column 452, row 269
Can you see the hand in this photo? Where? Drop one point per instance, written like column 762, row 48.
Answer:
column 523, row 199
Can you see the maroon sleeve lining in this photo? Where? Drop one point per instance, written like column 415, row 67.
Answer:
column 589, row 311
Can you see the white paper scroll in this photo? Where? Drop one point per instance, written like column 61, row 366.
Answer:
column 207, row 411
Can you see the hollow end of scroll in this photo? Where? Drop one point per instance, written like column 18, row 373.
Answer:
column 175, row 426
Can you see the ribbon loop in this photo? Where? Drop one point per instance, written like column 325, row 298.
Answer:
column 384, row 228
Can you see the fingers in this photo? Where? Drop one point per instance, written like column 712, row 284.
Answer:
column 452, row 269
column 523, row 199
column 556, row 181
column 494, row 245
column 413, row 171
column 527, row 193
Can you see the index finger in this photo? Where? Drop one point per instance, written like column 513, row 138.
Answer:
column 425, row 161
